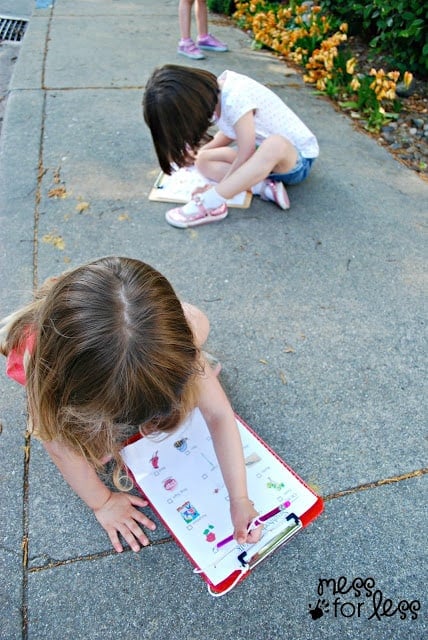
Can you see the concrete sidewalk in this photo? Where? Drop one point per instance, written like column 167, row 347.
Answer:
column 318, row 316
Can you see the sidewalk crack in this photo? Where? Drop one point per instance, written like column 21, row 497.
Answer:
column 376, row 483
column 52, row 563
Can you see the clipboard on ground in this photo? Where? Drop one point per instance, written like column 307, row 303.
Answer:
column 180, row 477
column 179, row 186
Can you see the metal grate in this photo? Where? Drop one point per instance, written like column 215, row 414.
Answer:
column 12, row 29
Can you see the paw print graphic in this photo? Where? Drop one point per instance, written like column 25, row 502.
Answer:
column 320, row 608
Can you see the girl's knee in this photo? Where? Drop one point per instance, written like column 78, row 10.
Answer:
column 278, row 143
column 281, row 151
column 201, row 161
column 198, row 322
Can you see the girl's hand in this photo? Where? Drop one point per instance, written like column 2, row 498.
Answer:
column 242, row 513
column 201, row 189
column 119, row 515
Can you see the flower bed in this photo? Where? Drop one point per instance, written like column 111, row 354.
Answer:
column 303, row 33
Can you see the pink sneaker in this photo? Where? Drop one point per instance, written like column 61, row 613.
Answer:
column 275, row 192
column 177, row 218
column 210, row 43
column 189, row 49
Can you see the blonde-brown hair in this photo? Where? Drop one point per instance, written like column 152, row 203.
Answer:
column 113, row 353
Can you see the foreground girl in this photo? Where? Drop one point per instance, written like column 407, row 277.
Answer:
column 106, row 351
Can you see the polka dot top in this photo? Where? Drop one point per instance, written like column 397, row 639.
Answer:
column 241, row 94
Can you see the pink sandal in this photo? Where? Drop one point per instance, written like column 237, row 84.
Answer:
column 177, row 218
column 278, row 191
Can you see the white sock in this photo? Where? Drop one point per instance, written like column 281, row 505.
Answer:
column 190, row 208
column 257, row 189
column 210, row 199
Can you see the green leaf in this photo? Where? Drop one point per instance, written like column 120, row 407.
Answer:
column 391, row 116
column 349, row 104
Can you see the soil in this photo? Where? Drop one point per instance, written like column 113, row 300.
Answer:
column 407, row 137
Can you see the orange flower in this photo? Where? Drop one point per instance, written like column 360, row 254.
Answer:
column 350, row 66
column 394, row 75
column 407, row 78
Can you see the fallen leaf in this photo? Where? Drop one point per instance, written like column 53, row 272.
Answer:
column 57, row 192
column 263, row 361
column 56, row 241
column 283, row 378
column 314, row 487
column 82, row 206
column 288, row 349
column 123, row 216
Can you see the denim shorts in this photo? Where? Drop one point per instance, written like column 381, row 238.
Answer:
column 298, row 174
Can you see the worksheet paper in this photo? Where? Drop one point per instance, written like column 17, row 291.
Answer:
column 179, row 186
column 180, row 476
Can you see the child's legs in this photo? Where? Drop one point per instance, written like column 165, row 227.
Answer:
column 201, row 14
column 276, row 154
column 215, row 163
column 184, row 17
column 299, row 172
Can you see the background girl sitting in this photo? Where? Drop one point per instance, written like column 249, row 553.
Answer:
column 261, row 144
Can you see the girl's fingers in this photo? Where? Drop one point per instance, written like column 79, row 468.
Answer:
column 138, row 533
column 255, row 534
column 145, row 521
column 132, row 533
column 141, row 517
column 140, row 502
column 114, row 539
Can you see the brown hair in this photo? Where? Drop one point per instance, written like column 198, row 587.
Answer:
column 178, row 107
column 113, row 349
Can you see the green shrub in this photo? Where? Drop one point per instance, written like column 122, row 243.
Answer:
column 227, row 7
column 397, row 29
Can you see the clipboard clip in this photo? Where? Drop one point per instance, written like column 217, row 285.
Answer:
column 293, row 525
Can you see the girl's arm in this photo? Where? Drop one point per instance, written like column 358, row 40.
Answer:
column 219, row 140
column 219, row 416
column 115, row 511
column 245, row 141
